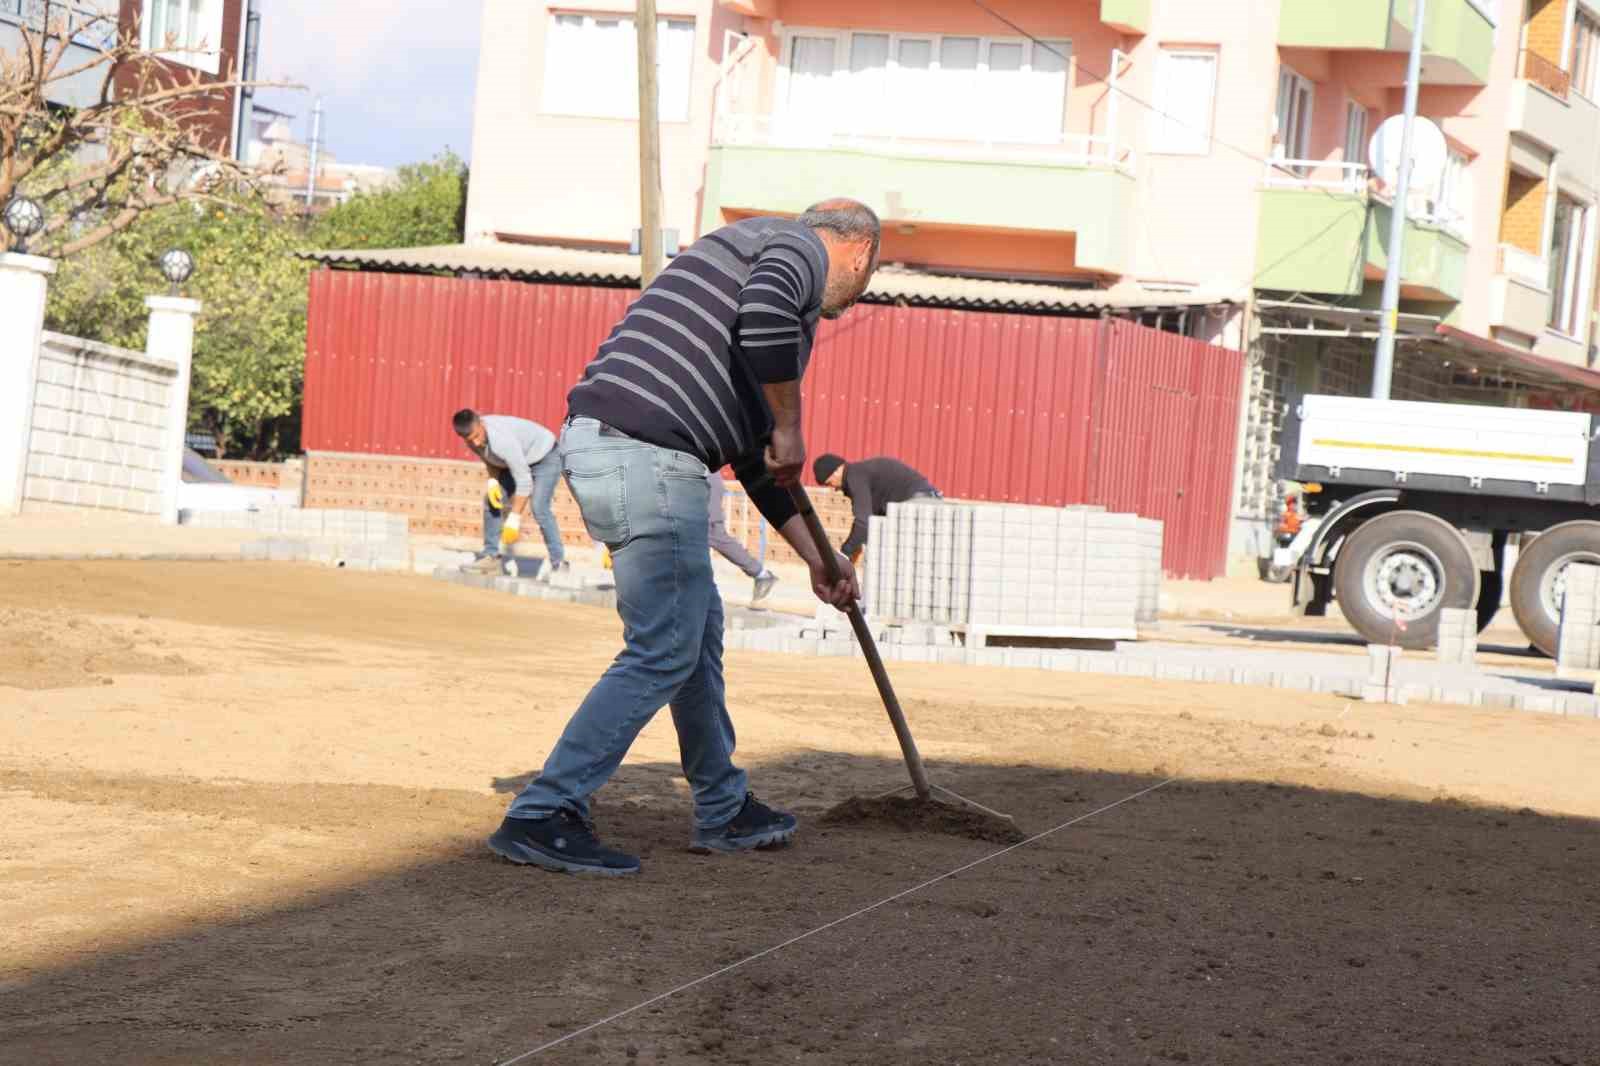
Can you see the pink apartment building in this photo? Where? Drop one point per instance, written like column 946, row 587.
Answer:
column 1159, row 154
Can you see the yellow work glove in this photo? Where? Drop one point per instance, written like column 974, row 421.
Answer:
column 495, row 493
column 511, row 532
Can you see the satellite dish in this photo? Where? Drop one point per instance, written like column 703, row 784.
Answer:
column 1429, row 152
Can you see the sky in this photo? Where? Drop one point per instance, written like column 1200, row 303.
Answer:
column 396, row 78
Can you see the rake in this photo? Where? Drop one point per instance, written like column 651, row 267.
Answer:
column 869, row 648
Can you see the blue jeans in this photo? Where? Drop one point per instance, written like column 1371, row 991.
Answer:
column 648, row 505
column 546, row 473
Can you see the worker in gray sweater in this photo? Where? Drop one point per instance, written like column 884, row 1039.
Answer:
column 525, row 463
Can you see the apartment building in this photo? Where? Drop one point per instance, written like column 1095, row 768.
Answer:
column 1215, row 153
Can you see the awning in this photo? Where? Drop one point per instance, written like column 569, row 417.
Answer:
column 543, row 262
column 1420, row 334
column 1509, row 360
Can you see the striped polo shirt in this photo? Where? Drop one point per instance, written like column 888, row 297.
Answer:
column 685, row 366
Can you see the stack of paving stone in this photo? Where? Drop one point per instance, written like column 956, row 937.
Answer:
column 1578, row 647
column 1458, row 636
column 348, row 540
column 1001, row 568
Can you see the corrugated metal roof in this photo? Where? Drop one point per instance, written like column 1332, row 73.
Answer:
column 539, row 262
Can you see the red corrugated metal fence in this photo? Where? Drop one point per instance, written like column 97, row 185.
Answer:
column 1002, row 407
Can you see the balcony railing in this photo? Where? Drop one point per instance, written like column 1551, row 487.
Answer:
column 1546, row 74
column 89, row 23
column 778, row 131
column 1524, row 266
column 1316, row 174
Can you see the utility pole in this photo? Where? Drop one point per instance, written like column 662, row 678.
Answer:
column 1383, row 365
column 650, row 260
column 316, row 152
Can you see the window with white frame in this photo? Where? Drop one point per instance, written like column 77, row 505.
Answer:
column 1355, row 133
column 1585, row 65
column 1186, row 84
column 592, row 63
column 923, row 86
column 192, row 27
column 1570, row 265
column 1452, row 207
column 1295, row 99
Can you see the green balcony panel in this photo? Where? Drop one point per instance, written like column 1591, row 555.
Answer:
column 1311, row 241
column 1458, row 41
column 1092, row 202
column 1129, row 16
column 1434, row 265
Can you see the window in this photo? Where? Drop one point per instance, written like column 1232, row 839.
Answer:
column 1295, row 96
column 192, row 25
column 1585, row 67
column 1453, row 207
column 592, row 62
column 1355, row 133
column 1185, row 84
column 1569, row 263
column 923, row 86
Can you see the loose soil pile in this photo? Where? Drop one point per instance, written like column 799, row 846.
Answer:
column 275, row 854
column 911, row 815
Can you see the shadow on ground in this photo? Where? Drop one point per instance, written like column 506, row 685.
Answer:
column 1340, row 639
column 1221, row 922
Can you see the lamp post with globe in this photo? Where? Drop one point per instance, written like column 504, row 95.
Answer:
column 24, row 218
column 177, row 266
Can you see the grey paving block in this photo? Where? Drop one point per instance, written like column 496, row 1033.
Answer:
column 256, row 550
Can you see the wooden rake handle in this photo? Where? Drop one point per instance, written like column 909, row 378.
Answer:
column 869, row 647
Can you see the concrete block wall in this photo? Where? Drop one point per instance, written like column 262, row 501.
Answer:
column 1012, row 565
column 445, row 497
column 99, row 424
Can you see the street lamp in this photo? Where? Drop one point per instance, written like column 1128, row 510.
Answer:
column 178, row 266
column 24, row 218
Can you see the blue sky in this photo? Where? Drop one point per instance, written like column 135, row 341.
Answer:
column 396, row 79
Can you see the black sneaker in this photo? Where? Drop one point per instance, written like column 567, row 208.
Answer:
column 755, row 826
column 563, row 842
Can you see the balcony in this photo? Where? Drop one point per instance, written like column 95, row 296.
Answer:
column 1546, row 110
column 1519, row 293
column 1322, row 232
column 1435, row 264
column 1076, row 186
column 1457, row 41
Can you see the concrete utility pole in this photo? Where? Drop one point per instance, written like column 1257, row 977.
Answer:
column 247, row 73
column 316, row 152
column 651, row 259
column 1383, row 365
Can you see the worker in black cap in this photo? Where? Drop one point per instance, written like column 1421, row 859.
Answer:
column 872, row 485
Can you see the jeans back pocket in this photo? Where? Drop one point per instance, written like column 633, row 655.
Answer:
column 601, row 492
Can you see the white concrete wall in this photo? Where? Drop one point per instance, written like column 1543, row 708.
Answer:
column 100, row 421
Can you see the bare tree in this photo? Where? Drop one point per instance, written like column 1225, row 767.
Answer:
column 138, row 147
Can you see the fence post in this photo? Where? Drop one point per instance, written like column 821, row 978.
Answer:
column 171, row 338
column 24, row 281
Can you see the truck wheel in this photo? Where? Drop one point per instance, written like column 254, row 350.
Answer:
column 1491, row 590
column 1404, row 566
column 1539, row 580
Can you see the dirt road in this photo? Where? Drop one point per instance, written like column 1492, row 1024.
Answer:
column 243, row 811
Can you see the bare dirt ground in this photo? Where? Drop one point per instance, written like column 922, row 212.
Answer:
column 242, row 807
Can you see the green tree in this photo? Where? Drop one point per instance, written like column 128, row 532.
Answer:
column 425, row 206
column 249, row 361
column 250, row 340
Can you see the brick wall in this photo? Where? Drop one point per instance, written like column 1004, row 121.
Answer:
column 210, row 115
column 1522, row 224
column 98, row 419
column 286, row 475
column 1545, row 26
column 445, row 497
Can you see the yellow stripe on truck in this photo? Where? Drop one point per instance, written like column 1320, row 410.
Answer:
column 1465, row 453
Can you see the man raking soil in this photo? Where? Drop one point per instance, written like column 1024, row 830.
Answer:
column 703, row 372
